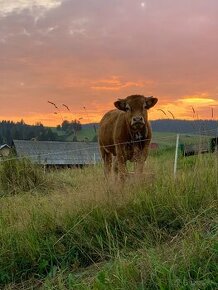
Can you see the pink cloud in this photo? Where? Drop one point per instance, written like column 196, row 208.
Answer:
column 92, row 52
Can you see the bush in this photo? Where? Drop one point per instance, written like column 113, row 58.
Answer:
column 20, row 175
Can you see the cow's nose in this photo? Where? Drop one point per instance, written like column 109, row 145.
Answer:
column 137, row 119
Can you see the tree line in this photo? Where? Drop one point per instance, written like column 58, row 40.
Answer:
column 10, row 130
column 68, row 130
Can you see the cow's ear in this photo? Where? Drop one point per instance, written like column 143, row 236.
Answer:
column 150, row 102
column 120, row 104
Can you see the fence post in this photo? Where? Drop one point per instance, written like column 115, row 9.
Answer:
column 176, row 155
column 94, row 159
column 216, row 157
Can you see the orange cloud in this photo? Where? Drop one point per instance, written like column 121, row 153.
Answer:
column 199, row 100
column 182, row 108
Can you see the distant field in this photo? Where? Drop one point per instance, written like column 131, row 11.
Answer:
column 71, row 229
column 84, row 134
column 162, row 138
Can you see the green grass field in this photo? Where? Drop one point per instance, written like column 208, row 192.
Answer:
column 71, row 229
column 163, row 139
column 86, row 133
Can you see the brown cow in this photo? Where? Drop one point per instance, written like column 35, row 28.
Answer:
column 126, row 134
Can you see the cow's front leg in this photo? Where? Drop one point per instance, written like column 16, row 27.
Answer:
column 140, row 158
column 121, row 164
column 139, row 166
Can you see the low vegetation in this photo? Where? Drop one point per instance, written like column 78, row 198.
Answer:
column 20, row 175
column 85, row 233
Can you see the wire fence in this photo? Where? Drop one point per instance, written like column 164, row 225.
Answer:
column 88, row 149
column 89, row 153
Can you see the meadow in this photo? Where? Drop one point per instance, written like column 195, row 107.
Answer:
column 71, row 229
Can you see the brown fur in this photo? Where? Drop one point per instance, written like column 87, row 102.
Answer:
column 121, row 139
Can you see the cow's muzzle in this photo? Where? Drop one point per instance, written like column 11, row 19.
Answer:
column 138, row 119
column 137, row 122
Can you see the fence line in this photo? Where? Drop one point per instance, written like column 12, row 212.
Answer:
column 84, row 149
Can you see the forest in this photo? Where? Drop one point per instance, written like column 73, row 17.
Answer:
column 10, row 130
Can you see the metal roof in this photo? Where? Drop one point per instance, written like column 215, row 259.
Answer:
column 58, row 153
column 4, row 145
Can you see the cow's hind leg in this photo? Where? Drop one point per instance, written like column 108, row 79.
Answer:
column 107, row 159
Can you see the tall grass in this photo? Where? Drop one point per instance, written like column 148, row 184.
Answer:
column 86, row 234
column 20, row 175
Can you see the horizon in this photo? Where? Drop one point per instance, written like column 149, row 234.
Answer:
column 82, row 56
column 96, row 123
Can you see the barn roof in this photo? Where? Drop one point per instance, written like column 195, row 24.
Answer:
column 58, row 153
column 4, row 145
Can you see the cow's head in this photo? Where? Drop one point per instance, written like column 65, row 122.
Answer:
column 136, row 107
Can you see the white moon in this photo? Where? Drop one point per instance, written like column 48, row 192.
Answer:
column 143, row 4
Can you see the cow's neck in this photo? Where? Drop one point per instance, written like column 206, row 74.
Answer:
column 138, row 135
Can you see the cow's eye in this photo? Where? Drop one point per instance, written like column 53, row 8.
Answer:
column 128, row 109
column 145, row 106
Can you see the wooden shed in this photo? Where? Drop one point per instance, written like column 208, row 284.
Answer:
column 58, row 154
column 4, row 150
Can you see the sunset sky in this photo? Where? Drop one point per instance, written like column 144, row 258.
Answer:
column 88, row 53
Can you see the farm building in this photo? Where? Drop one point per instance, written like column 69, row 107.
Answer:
column 214, row 144
column 58, row 154
column 194, row 149
column 209, row 146
column 4, row 150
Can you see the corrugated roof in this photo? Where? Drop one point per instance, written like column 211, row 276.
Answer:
column 58, row 153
